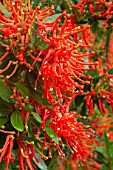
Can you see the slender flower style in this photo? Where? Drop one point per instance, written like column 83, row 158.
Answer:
column 63, row 65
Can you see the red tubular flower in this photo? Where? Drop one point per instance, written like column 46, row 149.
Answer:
column 25, row 155
column 63, row 66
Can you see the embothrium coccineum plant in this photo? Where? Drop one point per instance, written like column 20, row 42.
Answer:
column 62, row 73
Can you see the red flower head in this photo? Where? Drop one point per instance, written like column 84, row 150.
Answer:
column 63, row 67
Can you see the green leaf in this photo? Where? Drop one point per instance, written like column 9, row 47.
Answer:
column 51, row 18
column 23, row 89
column 106, row 141
column 40, row 48
column 3, row 120
column 16, row 121
column 28, row 107
column 110, row 71
column 94, row 26
column 4, row 11
column 5, row 108
column 2, row 165
column 51, row 133
column 41, row 164
column 35, row 3
column 37, row 117
column 105, row 167
column 96, row 112
column 37, row 96
column 5, row 92
column 101, row 150
column 48, row 121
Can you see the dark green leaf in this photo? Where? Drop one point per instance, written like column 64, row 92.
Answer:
column 5, row 108
column 93, row 73
column 28, row 107
column 51, row 133
column 106, row 141
column 5, row 92
column 41, row 164
column 30, row 128
column 110, row 71
column 23, row 89
column 2, row 51
column 4, row 11
column 37, row 117
column 35, row 3
column 37, row 96
column 16, row 121
column 109, row 31
column 2, row 165
column 51, row 18
column 101, row 150
column 105, row 167
column 94, row 26
column 3, row 121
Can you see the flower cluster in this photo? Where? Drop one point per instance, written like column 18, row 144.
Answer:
column 98, row 9
column 16, row 32
column 63, row 65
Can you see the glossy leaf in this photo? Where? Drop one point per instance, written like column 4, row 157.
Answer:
column 51, row 133
column 48, row 121
column 41, row 164
column 5, row 92
column 16, row 121
column 3, row 120
column 37, row 117
column 23, row 89
column 51, row 18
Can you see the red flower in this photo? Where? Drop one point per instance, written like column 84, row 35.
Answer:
column 63, row 66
